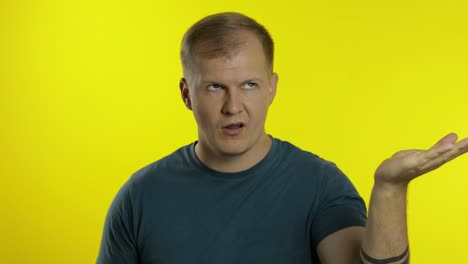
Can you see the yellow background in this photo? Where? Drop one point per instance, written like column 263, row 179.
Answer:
column 89, row 94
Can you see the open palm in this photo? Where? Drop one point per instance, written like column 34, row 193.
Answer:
column 406, row 165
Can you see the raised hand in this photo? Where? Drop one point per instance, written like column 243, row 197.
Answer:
column 406, row 165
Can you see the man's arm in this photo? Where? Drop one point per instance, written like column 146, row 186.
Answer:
column 386, row 236
column 385, row 240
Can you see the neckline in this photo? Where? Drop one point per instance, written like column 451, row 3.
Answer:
column 233, row 175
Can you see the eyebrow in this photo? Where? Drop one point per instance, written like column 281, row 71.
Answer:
column 208, row 81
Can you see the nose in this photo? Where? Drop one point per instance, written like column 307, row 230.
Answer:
column 232, row 103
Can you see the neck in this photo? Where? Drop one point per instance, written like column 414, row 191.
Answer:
column 227, row 162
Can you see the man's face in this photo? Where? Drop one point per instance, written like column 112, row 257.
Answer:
column 229, row 97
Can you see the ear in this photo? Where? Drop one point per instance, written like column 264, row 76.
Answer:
column 273, row 84
column 184, row 92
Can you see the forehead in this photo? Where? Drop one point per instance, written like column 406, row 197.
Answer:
column 247, row 57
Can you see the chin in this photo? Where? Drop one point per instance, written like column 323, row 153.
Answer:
column 233, row 149
column 236, row 146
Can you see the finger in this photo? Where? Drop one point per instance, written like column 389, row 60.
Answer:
column 436, row 151
column 443, row 145
column 449, row 138
column 457, row 150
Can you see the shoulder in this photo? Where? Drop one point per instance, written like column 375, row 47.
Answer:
column 168, row 166
column 310, row 169
column 301, row 158
column 153, row 182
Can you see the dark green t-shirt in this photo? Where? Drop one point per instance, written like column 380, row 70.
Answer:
column 178, row 211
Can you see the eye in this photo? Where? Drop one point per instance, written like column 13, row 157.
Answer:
column 214, row 87
column 250, row 85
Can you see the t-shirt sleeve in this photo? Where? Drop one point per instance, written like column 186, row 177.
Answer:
column 340, row 205
column 118, row 243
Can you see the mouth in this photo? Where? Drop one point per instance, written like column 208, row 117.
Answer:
column 233, row 129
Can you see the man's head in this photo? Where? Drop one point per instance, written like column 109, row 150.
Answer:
column 216, row 36
column 229, row 86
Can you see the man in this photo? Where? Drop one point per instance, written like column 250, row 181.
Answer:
column 238, row 195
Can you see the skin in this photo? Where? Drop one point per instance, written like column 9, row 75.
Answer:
column 239, row 88
column 229, row 90
column 386, row 233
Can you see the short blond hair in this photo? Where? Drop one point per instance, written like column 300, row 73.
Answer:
column 215, row 36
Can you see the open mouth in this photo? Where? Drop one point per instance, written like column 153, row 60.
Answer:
column 233, row 129
column 234, row 126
